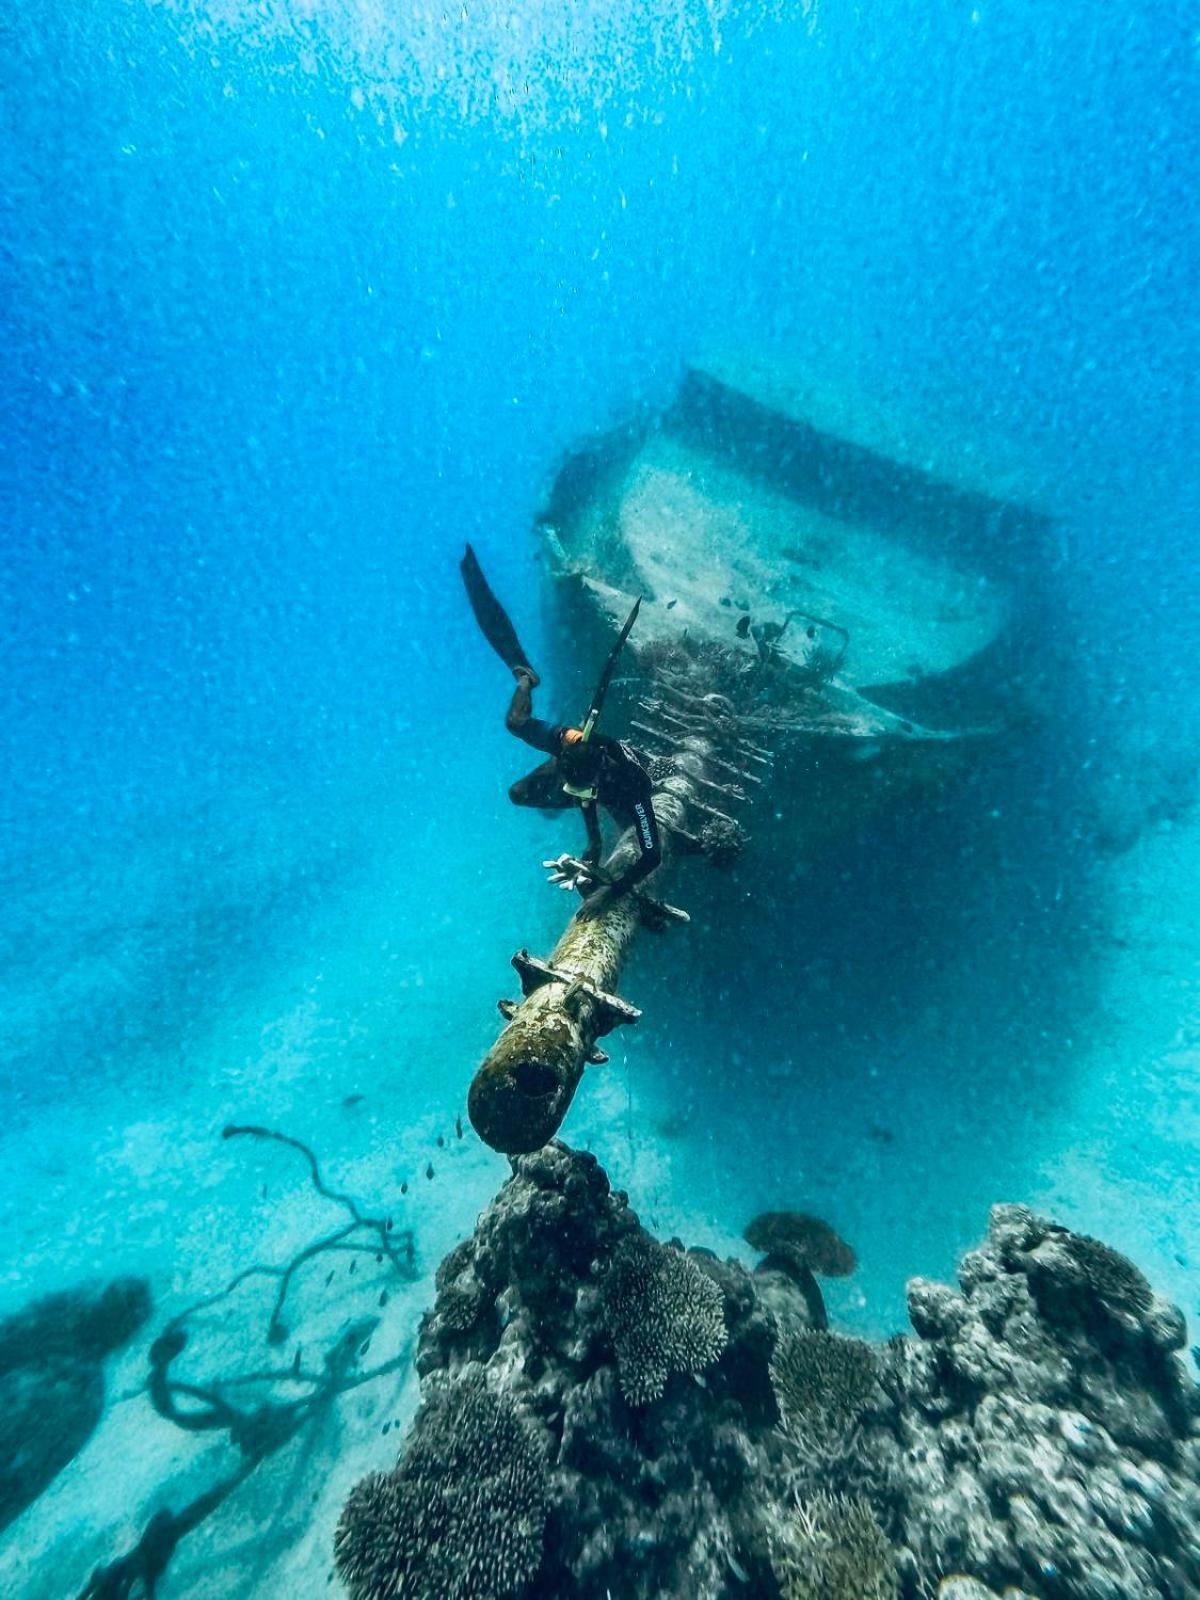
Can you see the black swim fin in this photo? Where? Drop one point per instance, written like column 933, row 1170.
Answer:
column 491, row 616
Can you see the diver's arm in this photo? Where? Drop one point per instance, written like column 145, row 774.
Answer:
column 522, row 722
column 595, row 843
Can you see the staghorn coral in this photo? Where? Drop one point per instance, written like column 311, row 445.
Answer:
column 1110, row 1276
column 663, row 1315
column 463, row 1514
column 831, row 1547
column 822, row 1385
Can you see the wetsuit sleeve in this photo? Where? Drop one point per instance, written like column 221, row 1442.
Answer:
column 520, row 720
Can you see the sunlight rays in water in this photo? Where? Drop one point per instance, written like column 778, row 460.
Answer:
column 541, row 65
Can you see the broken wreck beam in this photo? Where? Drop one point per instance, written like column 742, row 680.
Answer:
column 524, row 1088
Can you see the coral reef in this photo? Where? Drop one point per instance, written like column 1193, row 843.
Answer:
column 463, row 1513
column 831, row 1547
column 52, row 1381
column 1042, row 1432
column 1036, row 1439
column 662, row 1314
column 823, row 1384
column 652, row 1499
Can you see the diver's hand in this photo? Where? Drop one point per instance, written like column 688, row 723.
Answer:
column 569, row 873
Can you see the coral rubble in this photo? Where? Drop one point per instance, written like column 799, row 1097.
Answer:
column 661, row 1423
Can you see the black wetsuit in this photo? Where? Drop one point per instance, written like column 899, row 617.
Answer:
column 622, row 786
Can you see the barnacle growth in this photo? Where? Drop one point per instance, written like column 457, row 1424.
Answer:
column 822, row 1384
column 831, row 1547
column 462, row 1515
column 663, row 1315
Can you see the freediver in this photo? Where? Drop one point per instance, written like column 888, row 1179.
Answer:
column 584, row 768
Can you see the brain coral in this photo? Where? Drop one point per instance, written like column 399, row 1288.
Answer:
column 832, row 1548
column 663, row 1315
column 462, row 1515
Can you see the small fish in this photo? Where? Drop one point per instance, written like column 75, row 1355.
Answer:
column 404, row 1187
column 429, row 1170
column 383, row 1298
column 353, row 1266
column 441, row 1142
column 458, row 1131
column 354, row 1099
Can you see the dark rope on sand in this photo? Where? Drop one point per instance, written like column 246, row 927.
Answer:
column 402, row 1261
column 259, row 1432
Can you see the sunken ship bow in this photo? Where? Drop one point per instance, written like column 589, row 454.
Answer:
column 844, row 602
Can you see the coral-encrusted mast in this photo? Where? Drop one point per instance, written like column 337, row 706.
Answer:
column 523, row 1090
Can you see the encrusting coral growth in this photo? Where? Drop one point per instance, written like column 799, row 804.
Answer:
column 1037, row 1438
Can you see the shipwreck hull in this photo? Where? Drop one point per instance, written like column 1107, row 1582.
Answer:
column 821, row 633
column 845, row 591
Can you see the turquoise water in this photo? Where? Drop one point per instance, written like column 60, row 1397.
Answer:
column 298, row 298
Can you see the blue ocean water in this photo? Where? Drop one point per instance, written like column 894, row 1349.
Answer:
column 297, row 299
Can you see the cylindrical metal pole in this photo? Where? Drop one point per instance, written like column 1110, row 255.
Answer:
column 523, row 1089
